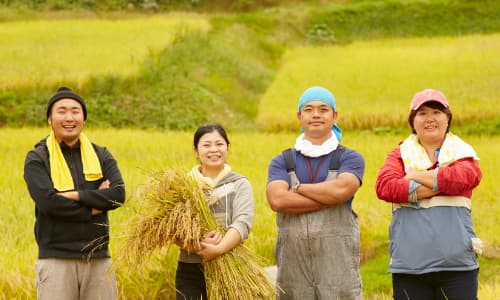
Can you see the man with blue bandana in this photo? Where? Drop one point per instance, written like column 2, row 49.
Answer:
column 317, row 249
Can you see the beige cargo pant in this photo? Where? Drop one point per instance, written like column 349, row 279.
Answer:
column 75, row 279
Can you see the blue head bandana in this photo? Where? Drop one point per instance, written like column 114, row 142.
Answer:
column 318, row 93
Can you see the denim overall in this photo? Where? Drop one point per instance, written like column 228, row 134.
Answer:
column 318, row 253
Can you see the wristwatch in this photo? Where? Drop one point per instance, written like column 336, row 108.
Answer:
column 295, row 188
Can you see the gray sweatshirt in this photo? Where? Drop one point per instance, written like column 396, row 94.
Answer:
column 234, row 208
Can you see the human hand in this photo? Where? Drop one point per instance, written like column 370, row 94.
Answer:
column 96, row 211
column 209, row 251
column 212, row 237
column 104, row 184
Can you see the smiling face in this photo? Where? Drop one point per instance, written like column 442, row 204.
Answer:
column 430, row 124
column 211, row 151
column 317, row 119
column 67, row 120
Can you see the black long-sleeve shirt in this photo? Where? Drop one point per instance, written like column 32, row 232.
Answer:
column 65, row 228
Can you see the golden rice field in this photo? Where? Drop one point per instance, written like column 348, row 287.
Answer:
column 374, row 81
column 139, row 152
column 44, row 52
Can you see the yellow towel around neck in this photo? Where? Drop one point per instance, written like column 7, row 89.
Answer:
column 59, row 171
column 415, row 157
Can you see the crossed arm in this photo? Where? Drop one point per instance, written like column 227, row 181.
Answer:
column 311, row 196
column 75, row 196
column 73, row 206
column 457, row 178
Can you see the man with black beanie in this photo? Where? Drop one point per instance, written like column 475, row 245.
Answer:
column 74, row 183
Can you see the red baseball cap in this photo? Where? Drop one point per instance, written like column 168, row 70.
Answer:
column 428, row 95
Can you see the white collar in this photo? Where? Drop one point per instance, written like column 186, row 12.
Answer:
column 308, row 149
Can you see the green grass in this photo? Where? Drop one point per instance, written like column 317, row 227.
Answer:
column 374, row 81
column 140, row 151
column 367, row 20
column 121, row 61
column 196, row 78
column 43, row 52
column 222, row 73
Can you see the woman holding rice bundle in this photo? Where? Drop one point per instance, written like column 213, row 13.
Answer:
column 429, row 180
column 231, row 201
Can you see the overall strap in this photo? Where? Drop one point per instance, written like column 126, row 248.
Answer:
column 289, row 160
column 334, row 162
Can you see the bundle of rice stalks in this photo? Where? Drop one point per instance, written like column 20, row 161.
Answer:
column 237, row 275
column 176, row 211
column 170, row 212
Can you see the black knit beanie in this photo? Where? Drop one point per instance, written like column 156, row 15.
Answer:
column 64, row 93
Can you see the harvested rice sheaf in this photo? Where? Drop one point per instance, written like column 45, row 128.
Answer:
column 176, row 210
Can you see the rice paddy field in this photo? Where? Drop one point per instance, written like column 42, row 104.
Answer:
column 139, row 152
column 41, row 52
column 373, row 82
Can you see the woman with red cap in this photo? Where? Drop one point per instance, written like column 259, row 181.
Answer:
column 429, row 180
